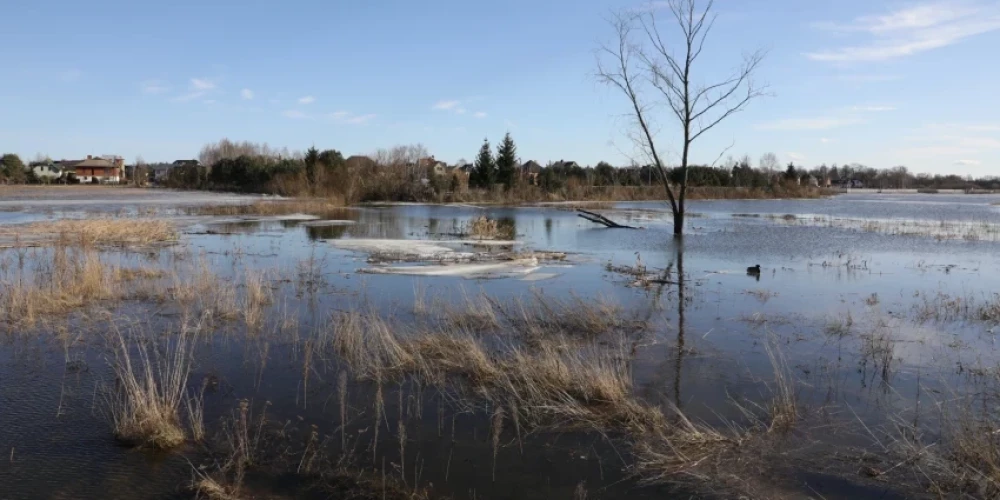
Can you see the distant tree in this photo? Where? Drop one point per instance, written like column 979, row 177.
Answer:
column 331, row 159
column 12, row 168
column 484, row 173
column 506, row 162
column 311, row 160
column 790, row 173
column 604, row 174
column 768, row 162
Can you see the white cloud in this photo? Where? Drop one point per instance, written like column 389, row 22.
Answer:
column 362, row 119
column 825, row 140
column 153, row 87
column 202, row 84
column 460, row 111
column 198, row 87
column 446, row 105
column 351, row 118
column 246, row 94
column 795, row 156
column 818, row 123
column 295, row 114
column 307, row 99
column 912, row 30
column 479, row 114
column 190, row 96
column 968, row 163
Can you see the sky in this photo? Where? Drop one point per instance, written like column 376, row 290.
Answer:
column 882, row 83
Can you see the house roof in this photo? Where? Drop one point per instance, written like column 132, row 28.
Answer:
column 95, row 163
column 531, row 167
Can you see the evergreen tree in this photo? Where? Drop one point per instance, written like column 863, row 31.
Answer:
column 12, row 168
column 484, row 174
column 791, row 174
column 311, row 159
column 506, row 163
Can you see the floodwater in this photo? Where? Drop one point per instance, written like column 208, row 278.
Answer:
column 846, row 301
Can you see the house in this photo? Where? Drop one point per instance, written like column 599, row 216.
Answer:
column 158, row 172
column 810, row 180
column 433, row 166
column 565, row 165
column 47, row 172
column 99, row 170
column 530, row 171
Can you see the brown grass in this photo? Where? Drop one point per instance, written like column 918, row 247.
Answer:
column 144, row 407
column 484, row 228
column 93, row 232
column 65, row 279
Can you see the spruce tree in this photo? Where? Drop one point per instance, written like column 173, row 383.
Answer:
column 484, row 173
column 311, row 159
column 506, row 163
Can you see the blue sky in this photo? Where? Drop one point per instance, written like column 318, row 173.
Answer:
column 880, row 83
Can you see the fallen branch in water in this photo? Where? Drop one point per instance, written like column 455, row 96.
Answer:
column 600, row 219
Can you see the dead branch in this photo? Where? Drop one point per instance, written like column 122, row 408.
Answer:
column 600, row 219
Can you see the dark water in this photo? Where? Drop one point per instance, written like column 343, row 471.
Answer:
column 708, row 348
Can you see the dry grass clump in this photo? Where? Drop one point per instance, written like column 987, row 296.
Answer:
column 547, row 383
column 64, row 279
column 144, row 406
column 95, row 231
column 540, row 316
column 484, row 228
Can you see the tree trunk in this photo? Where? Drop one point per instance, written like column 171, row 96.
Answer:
column 678, row 223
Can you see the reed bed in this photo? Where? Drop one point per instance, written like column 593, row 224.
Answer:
column 100, row 231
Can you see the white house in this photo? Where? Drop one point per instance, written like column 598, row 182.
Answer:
column 47, row 173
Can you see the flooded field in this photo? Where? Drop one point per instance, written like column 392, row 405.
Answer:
column 173, row 345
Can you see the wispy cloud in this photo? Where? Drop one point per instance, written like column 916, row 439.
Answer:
column 817, row 123
column 446, row 105
column 825, row 140
column 202, row 84
column 247, row 94
column 953, row 140
column 307, row 99
column 361, row 119
column 197, row 88
column 912, row 30
column 153, row 87
column 792, row 156
column 351, row 118
column 479, row 114
column 295, row 114
column 968, row 163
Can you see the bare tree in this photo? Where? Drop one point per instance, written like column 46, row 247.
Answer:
column 644, row 67
column 769, row 163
